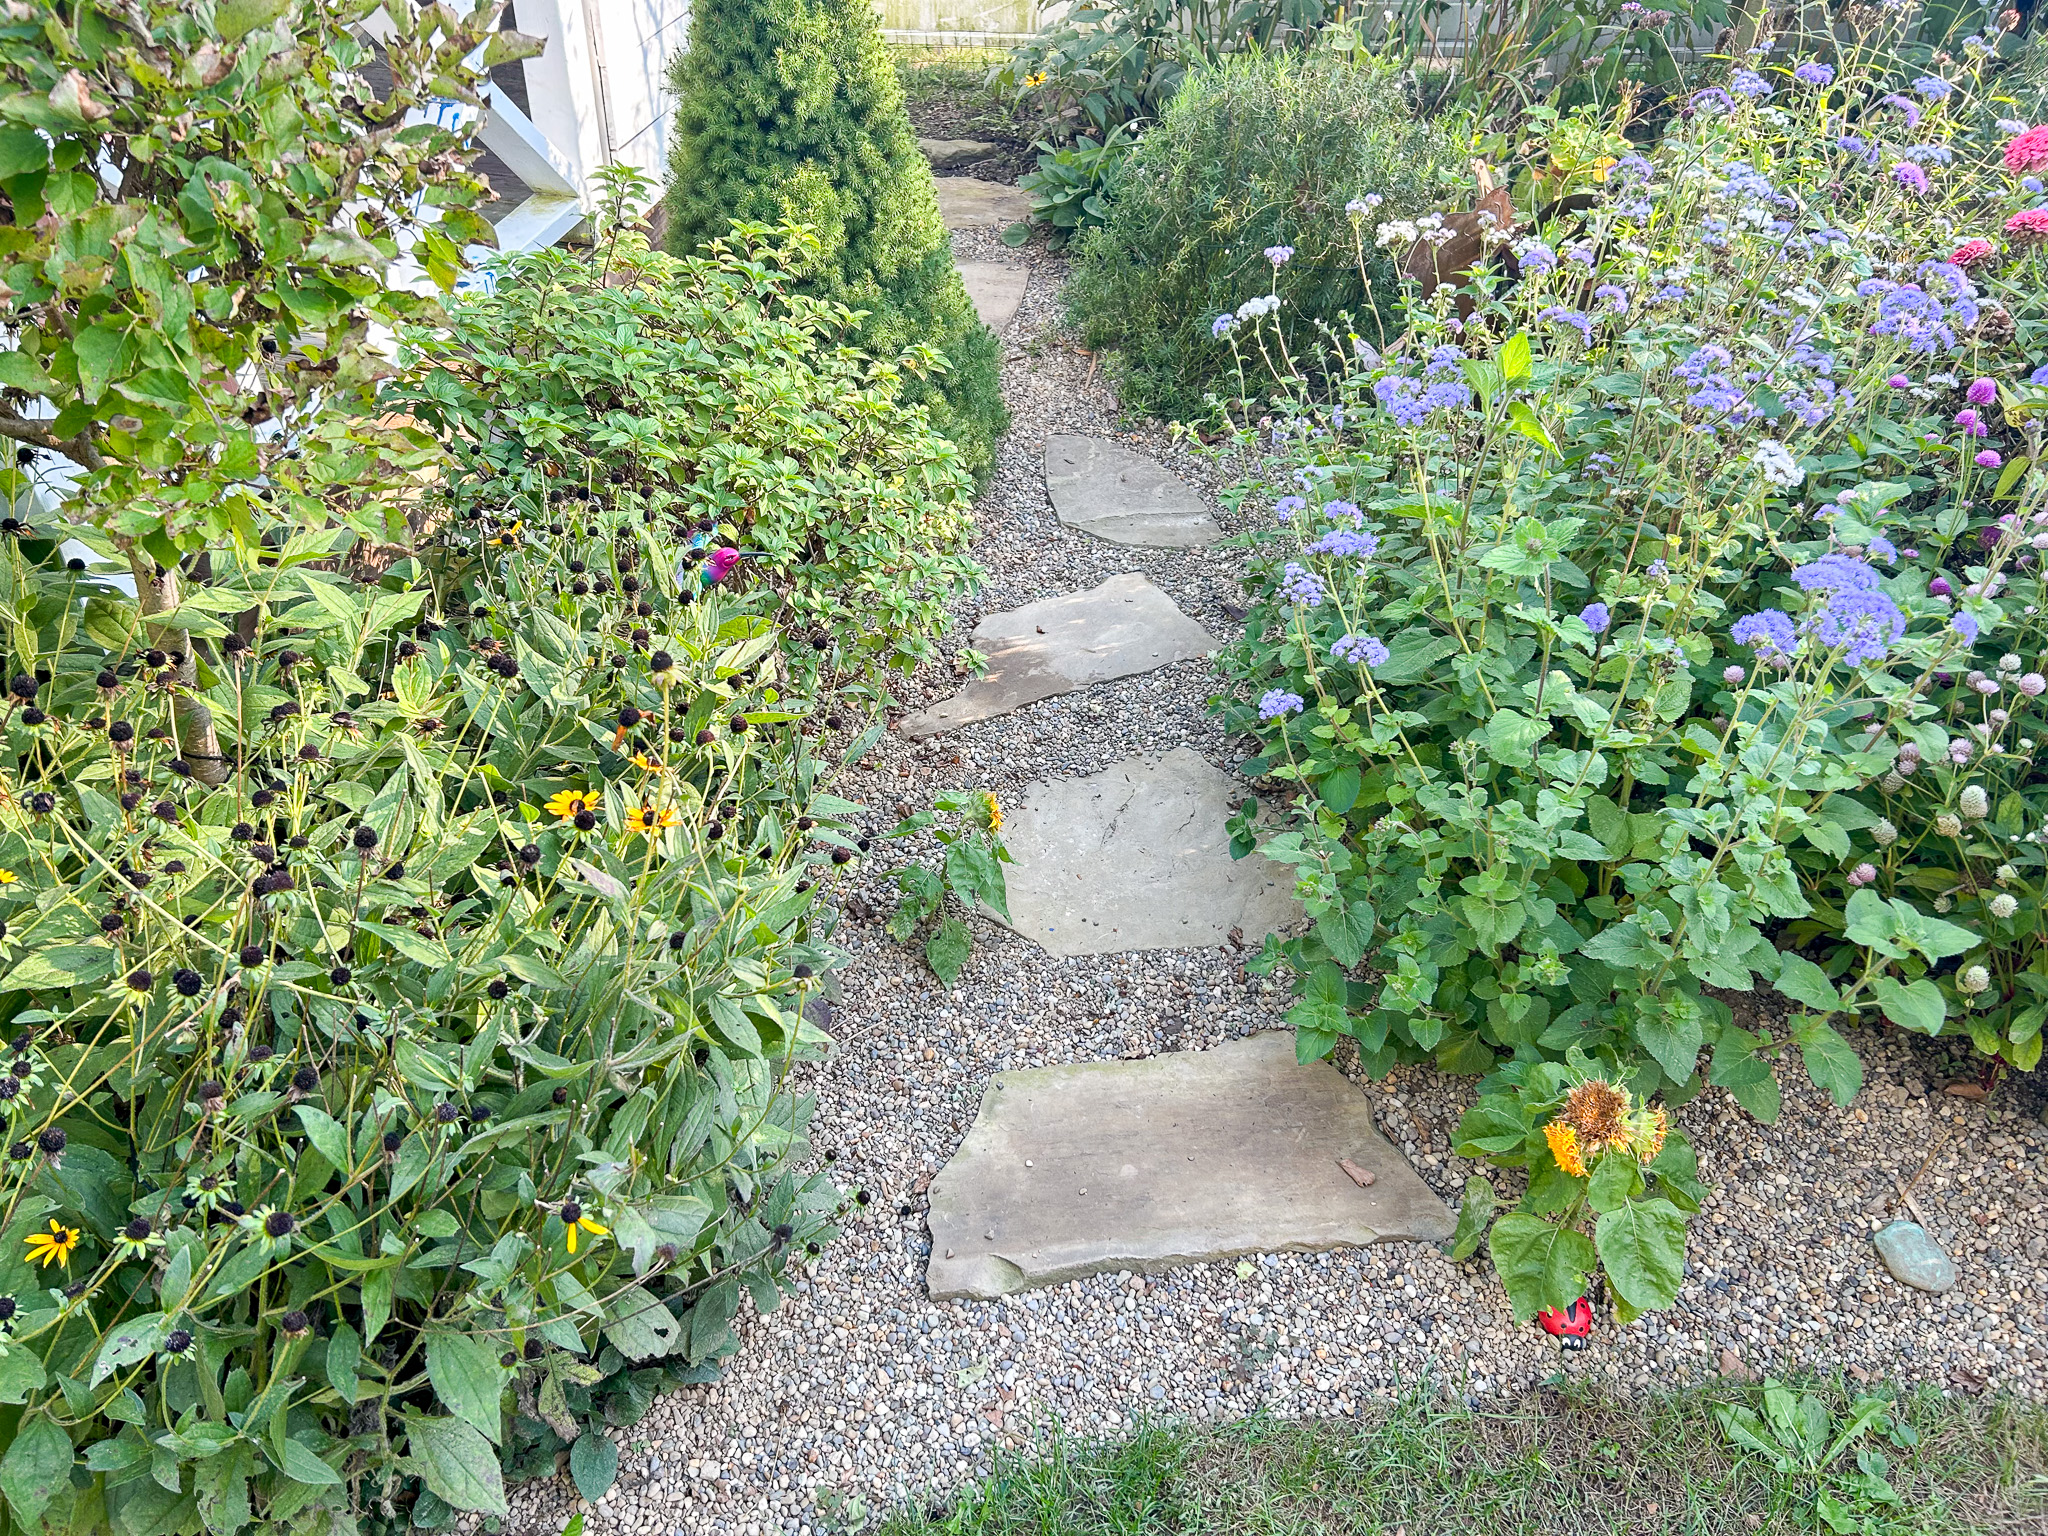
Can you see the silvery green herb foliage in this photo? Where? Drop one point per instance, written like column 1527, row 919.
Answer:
column 1671, row 631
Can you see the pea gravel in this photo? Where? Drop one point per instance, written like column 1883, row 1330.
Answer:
column 859, row 1392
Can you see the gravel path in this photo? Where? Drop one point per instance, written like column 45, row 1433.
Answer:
column 860, row 1392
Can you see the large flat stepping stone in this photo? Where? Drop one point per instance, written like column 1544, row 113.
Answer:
column 1124, row 626
column 997, row 288
column 968, row 202
column 1116, row 494
column 1138, row 857
column 1176, row 1159
column 951, row 154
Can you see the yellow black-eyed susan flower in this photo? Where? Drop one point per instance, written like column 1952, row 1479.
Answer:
column 649, row 820
column 8, row 877
column 574, row 1221
column 54, row 1246
column 570, row 805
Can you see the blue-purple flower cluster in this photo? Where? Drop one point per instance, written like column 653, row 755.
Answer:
column 1856, row 618
column 1924, row 314
column 1276, row 702
column 1299, row 584
column 1769, row 633
column 1345, row 544
column 1360, row 651
column 1442, row 387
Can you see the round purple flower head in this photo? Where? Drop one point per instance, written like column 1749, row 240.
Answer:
column 1899, row 381
column 1278, row 254
column 1882, row 547
column 1836, row 573
column 1933, row 88
column 1595, row 617
column 1813, row 72
column 1863, row 623
column 1285, row 508
column 1222, row 325
column 1300, row 585
column 1939, row 587
column 1769, row 633
column 1987, row 458
column 1277, row 702
column 1983, row 391
column 1360, row 650
column 1965, row 624
column 1910, row 176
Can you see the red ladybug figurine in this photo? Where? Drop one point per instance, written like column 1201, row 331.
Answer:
column 1571, row 1327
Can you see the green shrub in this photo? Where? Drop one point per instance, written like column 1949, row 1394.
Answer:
column 790, row 111
column 1259, row 151
column 1672, row 630
column 726, row 412
column 1073, row 186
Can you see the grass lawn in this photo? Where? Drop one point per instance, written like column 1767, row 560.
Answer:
column 1559, row 1462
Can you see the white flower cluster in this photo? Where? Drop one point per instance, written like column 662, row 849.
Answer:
column 1265, row 304
column 1407, row 231
column 1775, row 460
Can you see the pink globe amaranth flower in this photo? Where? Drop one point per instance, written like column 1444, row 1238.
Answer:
column 721, row 562
column 1899, row 381
column 1732, row 675
column 2033, row 685
column 1971, row 252
column 2029, row 226
column 1988, row 459
column 1863, row 874
column 2027, row 151
column 1983, row 391
column 1939, row 587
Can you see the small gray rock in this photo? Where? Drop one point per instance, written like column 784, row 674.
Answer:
column 1914, row 1258
column 951, row 154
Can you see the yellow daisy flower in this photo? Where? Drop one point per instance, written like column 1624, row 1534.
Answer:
column 645, row 763
column 574, row 1221
column 995, row 811
column 8, row 877
column 53, row 1246
column 1564, row 1146
column 571, row 803
column 648, row 821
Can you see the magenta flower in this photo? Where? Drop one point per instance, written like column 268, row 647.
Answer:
column 1899, row 381
column 1983, row 392
column 1988, row 459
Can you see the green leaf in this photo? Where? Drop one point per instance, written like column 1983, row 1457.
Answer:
column 135, row 1339
column 1875, row 922
column 344, row 1353
column 640, row 1326
column 326, row 1134
column 1746, row 1075
column 1322, row 1005
column 376, row 1294
column 1541, row 1265
column 1475, row 1211
column 1918, row 1007
column 1514, row 359
column 1523, row 419
column 1672, row 1034
column 36, row 1466
column 1804, row 982
column 456, row 1462
column 1642, row 1247
column 1831, row 1061
column 1496, row 1124
column 467, row 1379
column 1347, row 930
column 21, row 1374
column 302, row 1466
column 948, row 948
column 1616, row 1179
column 1511, row 737
column 594, row 1464
column 1340, row 789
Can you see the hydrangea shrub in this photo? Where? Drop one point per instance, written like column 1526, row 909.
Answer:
column 1667, row 633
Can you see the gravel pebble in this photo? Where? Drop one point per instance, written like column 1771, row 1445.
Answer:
column 859, row 1392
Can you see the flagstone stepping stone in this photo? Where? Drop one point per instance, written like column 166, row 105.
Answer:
column 1914, row 1258
column 1138, row 857
column 968, row 202
column 1116, row 494
column 951, row 154
column 997, row 288
column 1124, row 626
column 1176, row 1159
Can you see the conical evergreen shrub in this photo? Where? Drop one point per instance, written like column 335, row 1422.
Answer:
column 791, row 109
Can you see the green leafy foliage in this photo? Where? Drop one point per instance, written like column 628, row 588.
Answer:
column 1663, row 646
column 964, row 826
column 1258, row 151
column 790, row 111
column 1073, row 185
column 1796, row 1434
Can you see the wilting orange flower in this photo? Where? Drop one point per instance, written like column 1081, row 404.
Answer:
column 1650, row 1125
column 995, row 811
column 1598, row 1111
column 1564, row 1146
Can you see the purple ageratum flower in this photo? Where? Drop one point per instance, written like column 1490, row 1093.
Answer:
column 1862, row 623
column 1222, row 325
column 1344, row 544
column 1299, row 584
column 2032, row 184
column 1747, row 82
column 1537, row 258
column 1883, row 547
column 1614, row 296
column 1812, row 72
column 1713, row 100
column 1596, row 617
column 1906, row 105
column 1983, row 392
column 1285, row 508
column 1570, row 317
column 1769, row 633
column 1343, row 511
column 1988, row 458
column 1360, row 650
column 1910, row 176
column 1836, row 573
column 2039, row 375
column 1279, row 254
column 1934, row 88
column 1965, row 624
column 1276, row 702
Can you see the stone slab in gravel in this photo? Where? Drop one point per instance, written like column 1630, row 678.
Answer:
column 1178, row 1159
column 997, row 288
column 968, row 202
column 1914, row 1258
column 1117, row 494
column 1138, row 857
column 1124, row 626
column 950, row 154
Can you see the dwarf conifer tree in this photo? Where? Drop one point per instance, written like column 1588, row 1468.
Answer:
column 791, row 110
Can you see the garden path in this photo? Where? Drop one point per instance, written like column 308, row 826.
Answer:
column 860, row 1390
